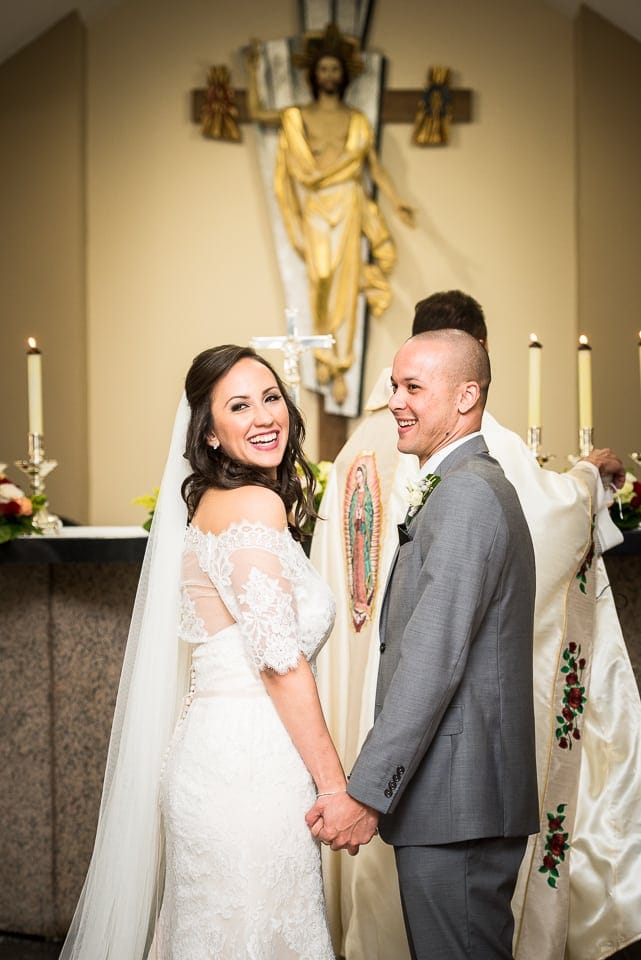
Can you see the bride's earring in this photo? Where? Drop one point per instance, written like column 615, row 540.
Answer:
column 215, row 443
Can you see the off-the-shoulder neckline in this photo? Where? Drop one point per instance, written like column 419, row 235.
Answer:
column 236, row 525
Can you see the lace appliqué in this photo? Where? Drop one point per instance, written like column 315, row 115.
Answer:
column 269, row 619
column 191, row 628
column 270, row 588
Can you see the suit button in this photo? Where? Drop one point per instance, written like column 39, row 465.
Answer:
column 382, row 647
column 400, row 771
column 388, row 793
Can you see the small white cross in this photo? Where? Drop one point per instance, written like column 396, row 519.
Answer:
column 292, row 345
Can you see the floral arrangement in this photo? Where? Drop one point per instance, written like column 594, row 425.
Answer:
column 321, row 471
column 626, row 507
column 148, row 501
column 17, row 510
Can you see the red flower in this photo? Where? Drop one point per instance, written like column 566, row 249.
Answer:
column 11, row 508
column 567, row 714
column 575, row 698
column 549, row 862
column 554, row 824
column 571, row 679
column 582, row 663
column 557, row 844
column 563, row 743
column 576, row 734
column 572, row 647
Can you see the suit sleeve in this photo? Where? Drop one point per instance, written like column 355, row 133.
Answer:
column 461, row 536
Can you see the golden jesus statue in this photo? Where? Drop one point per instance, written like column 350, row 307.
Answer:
column 324, row 149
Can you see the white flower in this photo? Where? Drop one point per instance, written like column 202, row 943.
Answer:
column 415, row 496
column 625, row 494
column 9, row 491
column 419, row 492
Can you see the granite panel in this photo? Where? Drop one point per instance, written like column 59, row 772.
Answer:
column 91, row 609
column 63, row 630
column 26, row 821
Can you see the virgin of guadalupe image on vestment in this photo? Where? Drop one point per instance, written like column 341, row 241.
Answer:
column 361, row 529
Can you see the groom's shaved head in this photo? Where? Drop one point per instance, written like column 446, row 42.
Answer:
column 466, row 357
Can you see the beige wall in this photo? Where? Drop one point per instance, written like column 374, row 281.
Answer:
column 180, row 254
column 609, row 223
column 42, row 259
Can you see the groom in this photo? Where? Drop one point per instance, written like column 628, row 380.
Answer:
column 449, row 765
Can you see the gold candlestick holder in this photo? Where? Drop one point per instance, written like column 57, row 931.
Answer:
column 37, row 467
column 534, row 443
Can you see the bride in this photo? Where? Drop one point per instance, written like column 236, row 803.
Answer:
column 219, row 745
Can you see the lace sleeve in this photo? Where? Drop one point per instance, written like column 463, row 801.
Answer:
column 253, row 568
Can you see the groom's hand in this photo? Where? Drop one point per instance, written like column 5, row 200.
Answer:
column 342, row 822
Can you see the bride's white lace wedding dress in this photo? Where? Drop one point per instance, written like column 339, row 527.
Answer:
column 243, row 878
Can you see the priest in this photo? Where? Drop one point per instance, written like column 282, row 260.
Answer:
column 577, row 890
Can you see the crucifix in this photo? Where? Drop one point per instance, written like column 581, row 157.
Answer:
column 318, row 159
column 292, row 346
column 332, row 434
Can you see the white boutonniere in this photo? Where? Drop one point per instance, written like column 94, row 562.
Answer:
column 419, row 492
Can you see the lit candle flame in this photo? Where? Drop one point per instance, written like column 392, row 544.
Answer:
column 583, row 340
column 535, row 339
column 32, row 342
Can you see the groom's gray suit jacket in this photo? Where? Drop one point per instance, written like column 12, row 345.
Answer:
column 451, row 755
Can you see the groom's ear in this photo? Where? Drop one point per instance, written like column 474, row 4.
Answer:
column 469, row 395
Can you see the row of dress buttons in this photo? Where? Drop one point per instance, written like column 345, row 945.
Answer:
column 190, row 696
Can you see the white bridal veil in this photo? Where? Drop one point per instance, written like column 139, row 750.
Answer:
column 114, row 919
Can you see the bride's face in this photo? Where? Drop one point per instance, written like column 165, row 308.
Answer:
column 251, row 421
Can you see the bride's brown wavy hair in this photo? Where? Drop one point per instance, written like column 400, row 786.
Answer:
column 214, row 468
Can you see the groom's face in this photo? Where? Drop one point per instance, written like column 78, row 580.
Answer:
column 424, row 399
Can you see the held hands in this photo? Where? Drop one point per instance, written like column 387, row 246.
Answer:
column 342, row 822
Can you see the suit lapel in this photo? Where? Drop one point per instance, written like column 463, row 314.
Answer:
column 462, row 453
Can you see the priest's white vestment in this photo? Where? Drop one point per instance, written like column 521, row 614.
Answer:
column 578, row 894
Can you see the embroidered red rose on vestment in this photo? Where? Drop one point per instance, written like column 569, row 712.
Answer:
column 556, row 845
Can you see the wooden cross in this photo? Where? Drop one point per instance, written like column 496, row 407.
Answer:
column 398, row 106
column 292, row 346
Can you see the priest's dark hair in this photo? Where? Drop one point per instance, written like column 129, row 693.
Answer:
column 451, row 310
column 214, row 468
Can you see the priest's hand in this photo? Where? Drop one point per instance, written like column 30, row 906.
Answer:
column 342, row 822
column 608, row 464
